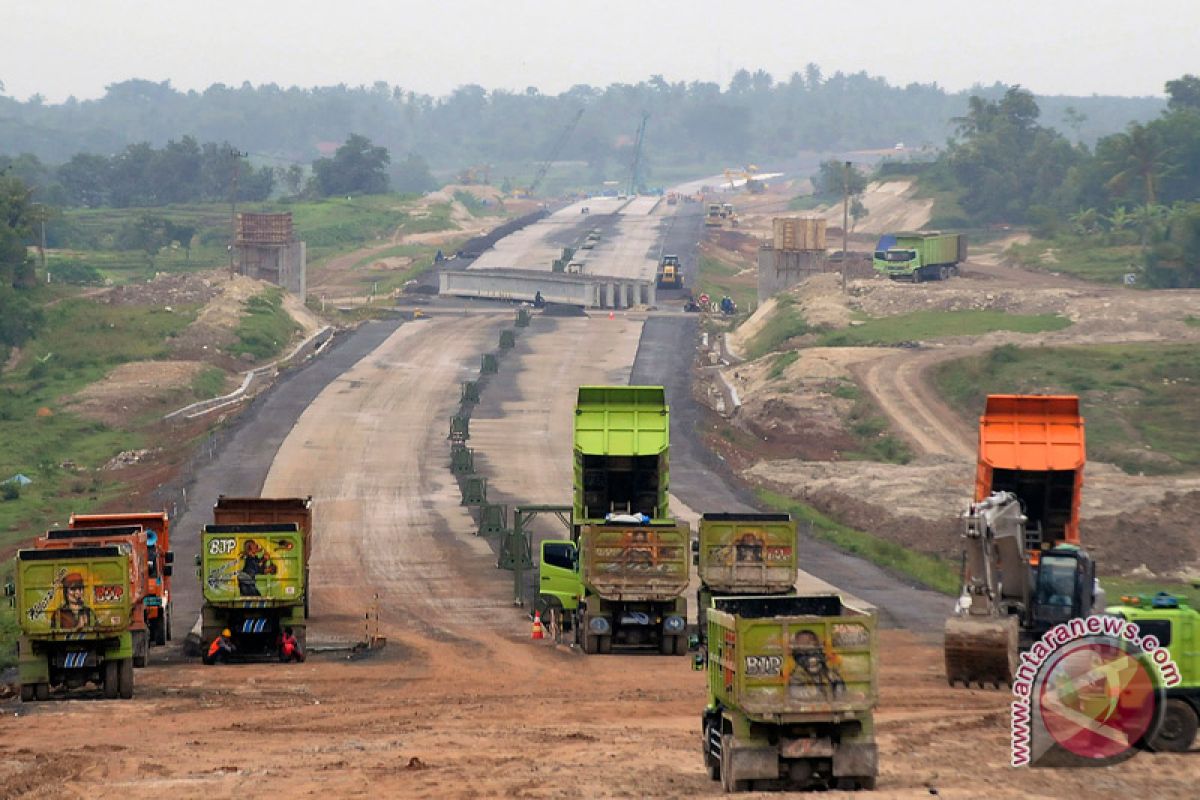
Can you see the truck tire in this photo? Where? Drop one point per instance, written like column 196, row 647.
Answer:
column 41, row 691
column 712, row 762
column 26, row 692
column 728, row 782
column 111, row 685
column 158, row 630
column 681, row 645
column 141, row 647
column 666, row 645
column 591, row 643
column 125, row 678
column 1178, row 729
column 605, row 644
column 167, row 623
column 944, row 273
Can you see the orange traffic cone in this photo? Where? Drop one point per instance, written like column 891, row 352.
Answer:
column 539, row 632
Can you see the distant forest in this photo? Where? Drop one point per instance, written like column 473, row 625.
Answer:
column 755, row 119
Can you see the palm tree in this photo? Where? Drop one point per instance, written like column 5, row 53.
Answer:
column 1085, row 220
column 1142, row 162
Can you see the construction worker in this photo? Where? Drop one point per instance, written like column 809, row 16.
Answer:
column 289, row 648
column 221, row 649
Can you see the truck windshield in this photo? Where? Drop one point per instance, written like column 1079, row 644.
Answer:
column 897, row 255
column 1056, row 581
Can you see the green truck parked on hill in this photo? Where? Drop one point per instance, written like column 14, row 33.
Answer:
column 621, row 577
column 920, row 256
column 253, row 580
column 1176, row 625
column 74, row 607
column 792, row 684
column 740, row 554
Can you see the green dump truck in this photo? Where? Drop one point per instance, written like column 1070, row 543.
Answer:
column 74, row 607
column 252, row 577
column 622, row 576
column 1176, row 625
column 792, row 692
column 744, row 554
column 920, row 256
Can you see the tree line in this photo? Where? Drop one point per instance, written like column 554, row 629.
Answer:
column 755, row 118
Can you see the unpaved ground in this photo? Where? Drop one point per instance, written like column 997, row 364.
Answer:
column 134, row 388
column 461, row 703
column 805, row 408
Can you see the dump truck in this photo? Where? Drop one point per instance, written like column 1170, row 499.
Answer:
column 74, row 608
column 130, row 539
column 1024, row 569
column 160, row 559
column 262, row 510
column 920, row 256
column 1176, row 625
column 670, row 273
column 792, row 689
column 253, row 580
column 714, row 216
column 751, row 554
column 621, row 577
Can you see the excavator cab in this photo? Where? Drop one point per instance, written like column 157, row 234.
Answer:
column 1064, row 588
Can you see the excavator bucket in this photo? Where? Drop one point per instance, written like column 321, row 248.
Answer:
column 981, row 650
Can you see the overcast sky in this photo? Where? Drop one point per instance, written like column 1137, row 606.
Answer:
column 76, row 47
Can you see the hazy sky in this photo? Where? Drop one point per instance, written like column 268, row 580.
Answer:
column 76, row 47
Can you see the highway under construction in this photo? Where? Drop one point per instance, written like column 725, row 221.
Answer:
column 461, row 703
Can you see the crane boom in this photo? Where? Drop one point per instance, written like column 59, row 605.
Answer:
column 554, row 150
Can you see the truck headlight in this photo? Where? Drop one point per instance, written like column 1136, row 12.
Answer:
column 673, row 624
column 598, row 625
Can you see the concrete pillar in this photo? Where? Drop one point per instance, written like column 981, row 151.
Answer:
column 610, row 295
column 651, row 294
column 624, row 295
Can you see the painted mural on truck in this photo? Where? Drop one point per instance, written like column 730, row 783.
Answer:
column 74, row 598
column 252, row 565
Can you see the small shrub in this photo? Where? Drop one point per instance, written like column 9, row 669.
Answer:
column 10, row 491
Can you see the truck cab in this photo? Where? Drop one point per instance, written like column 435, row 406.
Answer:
column 1176, row 625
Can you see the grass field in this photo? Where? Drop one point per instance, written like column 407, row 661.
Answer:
column 1084, row 258
column 1141, row 401
column 936, row 573
column 785, row 322
column 719, row 278
column 921, row 325
column 265, row 328
column 79, row 343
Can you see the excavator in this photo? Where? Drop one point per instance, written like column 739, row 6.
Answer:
column 1024, row 570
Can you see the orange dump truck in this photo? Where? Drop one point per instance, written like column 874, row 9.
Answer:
column 270, row 511
column 160, row 558
column 1033, row 446
column 130, row 540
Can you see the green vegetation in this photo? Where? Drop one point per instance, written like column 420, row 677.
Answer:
column 9, row 631
column 936, row 573
column 782, row 362
column 1115, row 587
column 266, row 327
column 476, row 207
column 719, row 278
column 1141, row 401
column 1193, row 321
column 209, row 382
column 784, row 323
column 1088, row 258
column 875, row 442
column 920, row 325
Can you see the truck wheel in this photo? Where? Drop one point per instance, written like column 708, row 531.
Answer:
column 167, row 623
column 141, row 647
column 1178, row 729
column 916, row 276
column 605, row 644
column 125, row 678
column 666, row 645
column 591, row 643
column 158, row 630
column 712, row 763
column 26, row 692
column 944, row 273
column 681, row 645
column 112, row 679
column 41, row 691
column 728, row 783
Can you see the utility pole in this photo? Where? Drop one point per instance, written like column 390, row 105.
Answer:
column 237, row 156
column 845, row 218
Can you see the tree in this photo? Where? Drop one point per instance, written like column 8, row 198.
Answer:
column 148, row 233
column 358, row 167
column 413, row 175
column 16, row 230
column 1141, row 161
column 1184, row 93
column 833, row 179
column 293, row 179
column 85, row 178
